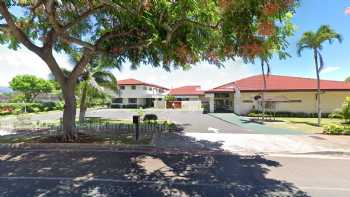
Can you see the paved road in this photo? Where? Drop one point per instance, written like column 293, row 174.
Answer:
column 106, row 173
column 190, row 121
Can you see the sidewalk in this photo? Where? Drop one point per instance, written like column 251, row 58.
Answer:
column 257, row 143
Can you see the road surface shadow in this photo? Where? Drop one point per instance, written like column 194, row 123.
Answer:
column 108, row 173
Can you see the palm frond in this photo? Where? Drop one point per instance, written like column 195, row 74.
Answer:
column 106, row 79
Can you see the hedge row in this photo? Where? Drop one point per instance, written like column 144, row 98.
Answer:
column 17, row 108
column 288, row 114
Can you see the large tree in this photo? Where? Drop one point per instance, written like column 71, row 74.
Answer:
column 314, row 41
column 158, row 32
column 31, row 86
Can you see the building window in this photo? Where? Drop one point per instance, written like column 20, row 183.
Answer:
column 144, row 87
column 150, row 88
column 222, row 95
column 133, row 87
column 122, row 87
column 132, row 100
column 117, row 100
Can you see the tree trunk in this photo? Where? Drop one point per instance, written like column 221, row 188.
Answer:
column 263, row 91
column 318, row 94
column 69, row 112
column 83, row 106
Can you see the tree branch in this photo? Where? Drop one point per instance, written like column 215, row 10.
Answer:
column 81, row 65
column 17, row 32
column 60, row 30
column 118, row 5
column 77, row 41
column 51, row 12
column 82, row 17
column 110, row 35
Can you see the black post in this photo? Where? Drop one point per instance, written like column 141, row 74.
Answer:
column 136, row 122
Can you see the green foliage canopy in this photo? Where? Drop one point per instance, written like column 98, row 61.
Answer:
column 31, row 86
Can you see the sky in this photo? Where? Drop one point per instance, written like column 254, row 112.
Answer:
column 309, row 16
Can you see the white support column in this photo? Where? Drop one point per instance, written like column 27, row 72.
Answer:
column 211, row 97
column 237, row 101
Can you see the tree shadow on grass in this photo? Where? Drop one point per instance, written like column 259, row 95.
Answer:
column 108, row 173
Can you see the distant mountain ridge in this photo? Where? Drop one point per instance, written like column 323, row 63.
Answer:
column 5, row 90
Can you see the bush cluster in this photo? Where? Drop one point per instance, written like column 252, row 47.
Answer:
column 335, row 129
column 17, row 108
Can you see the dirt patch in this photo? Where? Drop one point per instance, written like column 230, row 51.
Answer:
column 82, row 138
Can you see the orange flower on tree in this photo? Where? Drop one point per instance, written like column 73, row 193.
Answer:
column 251, row 50
column 271, row 8
column 224, row 4
column 266, row 28
column 184, row 54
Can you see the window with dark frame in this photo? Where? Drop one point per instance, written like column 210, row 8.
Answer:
column 133, row 87
column 132, row 100
column 117, row 100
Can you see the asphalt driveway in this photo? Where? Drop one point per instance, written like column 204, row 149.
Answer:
column 191, row 122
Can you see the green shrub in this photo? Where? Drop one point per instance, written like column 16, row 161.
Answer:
column 285, row 114
column 17, row 108
column 335, row 129
column 345, row 110
column 336, row 115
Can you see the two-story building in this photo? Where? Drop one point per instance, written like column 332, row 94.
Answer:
column 133, row 93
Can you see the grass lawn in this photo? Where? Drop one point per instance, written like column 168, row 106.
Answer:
column 83, row 138
column 308, row 125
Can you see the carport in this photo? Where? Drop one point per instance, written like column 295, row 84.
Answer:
column 224, row 98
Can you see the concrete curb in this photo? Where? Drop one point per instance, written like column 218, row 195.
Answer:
column 71, row 147
column 104, row 148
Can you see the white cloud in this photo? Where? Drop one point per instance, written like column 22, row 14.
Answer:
column 13, row 63
column 204, row 74
column 23, row 61
column 330, row 69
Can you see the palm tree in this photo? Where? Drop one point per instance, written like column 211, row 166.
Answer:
column 314, row 40
column 97, row 79
column 264, row 62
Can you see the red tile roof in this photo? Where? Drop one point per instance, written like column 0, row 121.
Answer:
column 186, row 91
column 138, row 82
column 280, row 83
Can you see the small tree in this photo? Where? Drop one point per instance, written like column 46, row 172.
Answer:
column 31, row 86
column 347, row 79
column 345, row 110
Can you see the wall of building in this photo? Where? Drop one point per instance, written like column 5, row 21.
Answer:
column 189, row 98
column 141, row 91
column 299, row 101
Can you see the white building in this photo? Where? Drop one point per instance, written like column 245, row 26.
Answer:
column 133, row 93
